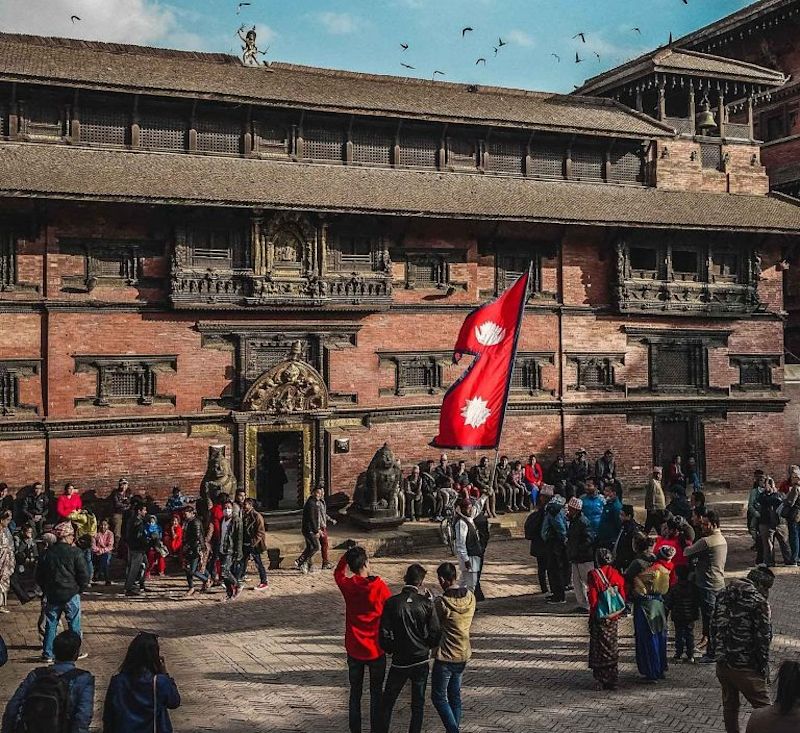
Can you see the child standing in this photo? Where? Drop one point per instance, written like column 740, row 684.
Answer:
column 684, row 604
column 155, row 559
column 102, row 547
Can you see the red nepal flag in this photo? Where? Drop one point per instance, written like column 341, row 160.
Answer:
column 474, row 407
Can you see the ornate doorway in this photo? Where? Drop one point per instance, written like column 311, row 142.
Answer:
column 677, row 434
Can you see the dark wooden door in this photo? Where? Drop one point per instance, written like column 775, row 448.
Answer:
column 671, row 437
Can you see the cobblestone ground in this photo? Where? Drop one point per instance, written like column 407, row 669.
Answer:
column 273, row 660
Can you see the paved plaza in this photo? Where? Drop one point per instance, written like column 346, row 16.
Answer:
column 274, row 661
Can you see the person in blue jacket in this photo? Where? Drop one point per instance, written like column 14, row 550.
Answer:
column 610, row 518
column 554, row 534
column 141, row 694
column 593, row 504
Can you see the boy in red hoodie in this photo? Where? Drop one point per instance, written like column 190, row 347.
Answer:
column 364, row 597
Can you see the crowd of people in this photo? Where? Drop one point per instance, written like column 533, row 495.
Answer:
column 585, row 539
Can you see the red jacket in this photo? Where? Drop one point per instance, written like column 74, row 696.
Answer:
column 65, row 505
column 363, row 600
column 595, row 586
column 173, row 539
column 533, row 474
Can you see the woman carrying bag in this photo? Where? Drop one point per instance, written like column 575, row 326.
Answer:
column 141, row 694
column 605, row 589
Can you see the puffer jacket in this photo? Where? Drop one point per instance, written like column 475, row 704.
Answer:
column 743, row 627
column 554, row 526
column 455, row 610
column 579, row 540
column 409, row 627
column 683, row 601
column 533, row 532
column 62, row 573
column 593, row 511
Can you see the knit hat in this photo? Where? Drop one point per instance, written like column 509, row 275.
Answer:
column 575, row 503
column 546, row 490
column 64, row 529
column 666, row 552
column 762, row 578
column 49, row 538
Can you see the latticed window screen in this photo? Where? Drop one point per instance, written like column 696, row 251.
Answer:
column 127, row 382
column 427, row 273
column 419, row 150
column 673, row 366
column 626, row 166
column 547, row 160
column 163, row 132
column 3, row 120
column 272, row 137
column 595, row 374
column 104, row 126
column 218, row 135
column 587, row 163
column 461, row 152
column 107, row 267
column 526, row 375
column 755, row 374
column 505, row 156
column 372, row 146
column 124, row 384
column 711, row 155
column 417, row 375
column 44, row 118
column 8, row 264
column 323, row 143
column 9, row 391
column 511, row 267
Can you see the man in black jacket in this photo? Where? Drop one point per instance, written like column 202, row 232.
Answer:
column 624, row 554
column 409, row 630
column 62, row 575
column 315, row 530
column 36, row 507
column 138, row 543
column 230, row 550
column 193, row 544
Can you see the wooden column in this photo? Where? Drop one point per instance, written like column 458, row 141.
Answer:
column 136, row 129
column 247, row 133
column 750, row 133
column 662, row 100
column 13, row 114
column 74, row 121
column 193, row 129
column 721, row 114
column 692, row 110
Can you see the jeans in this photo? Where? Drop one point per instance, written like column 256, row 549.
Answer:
column 749, row 683
column 446, row 693
column 137, row 562
column 103, row 566
column 228, row 576
column 395, row 682
column 684, row 638
column 87, row 556
column 52, row 615
column 794, row 541
column 708, row 603
column 377, row 671
column 257, row 559
column 192, row 571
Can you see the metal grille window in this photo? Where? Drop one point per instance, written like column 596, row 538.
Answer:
column 44, row 119
column 711, row 156
column 587, row 163
column 218, row 135
column 8, row 260
column 505, row 156
column 104, row 126
column 626, row 166
column 419, row 150
column 547, row 160
column 323, row 143
column 163, row 132
column 272, row 137
column 372, row 147
column 673, row 366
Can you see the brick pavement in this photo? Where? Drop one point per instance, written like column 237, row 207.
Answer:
column 273, row 661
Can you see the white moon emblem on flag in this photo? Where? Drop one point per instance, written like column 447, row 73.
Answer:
column 489, row 333
column 475, row 412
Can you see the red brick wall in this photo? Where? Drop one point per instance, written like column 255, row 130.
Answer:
column 21, row 462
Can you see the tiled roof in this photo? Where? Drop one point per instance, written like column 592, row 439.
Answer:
column 52, row 171
column 679, row 61
column 222, row 77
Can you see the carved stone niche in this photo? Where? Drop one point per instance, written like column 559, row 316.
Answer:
column 290, row 387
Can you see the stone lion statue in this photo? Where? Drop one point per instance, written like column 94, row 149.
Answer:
column 219, row 477
column 380, row 489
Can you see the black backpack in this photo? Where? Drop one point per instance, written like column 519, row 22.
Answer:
column 46, row 707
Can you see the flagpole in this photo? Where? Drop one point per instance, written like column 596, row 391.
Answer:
column 510, row 378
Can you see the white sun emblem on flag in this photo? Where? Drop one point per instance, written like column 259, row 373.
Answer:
column 489, row 333
column 475, row 412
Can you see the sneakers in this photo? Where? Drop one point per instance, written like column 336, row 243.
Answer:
column 305, row 568
column 554, row 601
column 132, row 593
column 262, row 586
column 705, row 659
column 691, row 660
column 297, row 565
column 677, row 658
column 83, row 655
column 327, row 566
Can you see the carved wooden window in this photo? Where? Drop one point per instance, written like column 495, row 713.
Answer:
column 643, row 262
column 547, row 159
column 11, row 371
column 419, row 149
column 218, row 134
column 115, row 261
column 104, row 126
column 351, row 252
column 755, row 372
column 724, row 266
column 323, row 142
column 372, row 147
column 462, row 153
column 273, row 137
column 505, row 155
column 626, row 166
column 43, row 118
column 126, row 379
column 163, row 130
column 595, row 371
column 8, row 260
column 415, row 373
column 527, row 376
column 685, row 264
column 675, row 367
column 510, row 266
column 4, row 120
column 212, row 248
column 587, row 163
column 427, row 271
column 711, row 156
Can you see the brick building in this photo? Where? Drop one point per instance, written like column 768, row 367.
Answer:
column 278, row 260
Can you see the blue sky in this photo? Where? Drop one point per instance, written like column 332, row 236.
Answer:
column 365, row 35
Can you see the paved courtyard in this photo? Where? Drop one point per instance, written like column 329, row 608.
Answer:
column 273, row 661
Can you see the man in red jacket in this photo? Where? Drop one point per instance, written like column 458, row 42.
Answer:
column 364, row 596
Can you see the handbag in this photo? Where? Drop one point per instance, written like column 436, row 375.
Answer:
column 610, row 604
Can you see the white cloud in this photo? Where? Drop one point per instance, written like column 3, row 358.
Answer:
column 338, row 24
column 117, row 21
column 519, row 38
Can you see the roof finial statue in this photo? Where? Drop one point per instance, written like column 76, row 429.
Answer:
column 250, row 50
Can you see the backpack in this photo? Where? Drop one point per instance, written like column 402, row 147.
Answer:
column 610, row 603
column 45, row 708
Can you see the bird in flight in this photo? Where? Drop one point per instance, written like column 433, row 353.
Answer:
column 496, row 50
column 481, row 61
column 466, row 30
column 556, row 57
column 239, row 7
column 685, row 2
column 637, row 30
column 404, row 46
column 407, row 66
column 582, row 36
column 596, row 54
column 501, row 43
column 440, row 73
column 73, row 18
column 578, row 59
